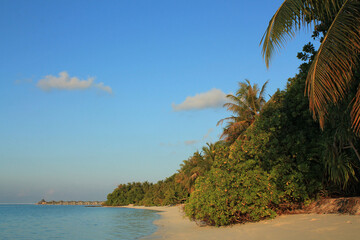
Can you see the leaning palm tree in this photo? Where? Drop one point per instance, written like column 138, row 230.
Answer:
column 331, row 74
column 245, row 105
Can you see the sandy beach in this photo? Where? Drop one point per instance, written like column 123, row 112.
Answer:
column 173, row 225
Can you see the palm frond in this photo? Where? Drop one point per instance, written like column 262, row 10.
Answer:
column 331, row 7
column 339, row 167
column 291, row 16
column 286, row 21
column 235, row 108
column 232, row 118
column 233, row 99
column 355, row 112
column 331, row 71
column 245, row 105
column 262, row 91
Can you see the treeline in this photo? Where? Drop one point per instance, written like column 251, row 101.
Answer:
column 162, row 193
column 173, row 190
column 272, row 156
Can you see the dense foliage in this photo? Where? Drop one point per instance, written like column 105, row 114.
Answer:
column 331, row 75
column 273, row 167
column 280, row 162
column 165, row 192
column 274, row 156
column 236, row 189
column 173, row 190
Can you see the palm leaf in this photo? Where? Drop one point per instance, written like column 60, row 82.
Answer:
column 282, row 27
column 262, row 91
column 232, row 118
column 291, row 16
column 331, row 71
column 233, row 107
column 339, row 167
column 245, row 105
column 355, row 112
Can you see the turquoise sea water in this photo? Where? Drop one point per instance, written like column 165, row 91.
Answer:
column 74, row 222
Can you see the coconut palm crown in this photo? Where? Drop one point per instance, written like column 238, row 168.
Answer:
column 245, row 105
column 331, row 73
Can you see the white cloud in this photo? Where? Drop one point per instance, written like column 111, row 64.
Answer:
column 214, row 98
column 102, row 87
column 65, row 82
column 190, row 142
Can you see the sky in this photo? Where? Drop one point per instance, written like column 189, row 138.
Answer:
column 98, row 93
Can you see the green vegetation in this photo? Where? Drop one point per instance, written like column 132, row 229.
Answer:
column 331, row 74
column 246, row 104
column 234, row 190
column 273, row 157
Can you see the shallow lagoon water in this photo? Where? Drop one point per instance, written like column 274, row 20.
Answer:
column 74, row 222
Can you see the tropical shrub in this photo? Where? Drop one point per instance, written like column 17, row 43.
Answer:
column 234, row 190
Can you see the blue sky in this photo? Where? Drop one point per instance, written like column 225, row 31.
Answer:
column 98, row 93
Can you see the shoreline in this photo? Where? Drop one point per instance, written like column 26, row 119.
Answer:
column 174, row 225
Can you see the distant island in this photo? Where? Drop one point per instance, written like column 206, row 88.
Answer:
column 87, row 203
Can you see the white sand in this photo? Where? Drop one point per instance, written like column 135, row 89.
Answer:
column 173, row 225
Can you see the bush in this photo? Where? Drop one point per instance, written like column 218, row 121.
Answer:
column 233, row 191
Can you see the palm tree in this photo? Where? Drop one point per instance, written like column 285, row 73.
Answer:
column 245, row 105
column 331, row 74
column 191, row 169
column 210, row 151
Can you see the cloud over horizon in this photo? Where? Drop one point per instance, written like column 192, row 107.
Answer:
column 65, row 82
column 214, row 98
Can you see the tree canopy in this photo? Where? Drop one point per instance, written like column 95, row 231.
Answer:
column 331, row 73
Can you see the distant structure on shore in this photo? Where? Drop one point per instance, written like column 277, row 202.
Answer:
column 86, row 203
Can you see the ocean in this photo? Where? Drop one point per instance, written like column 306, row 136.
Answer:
column 28, row 221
